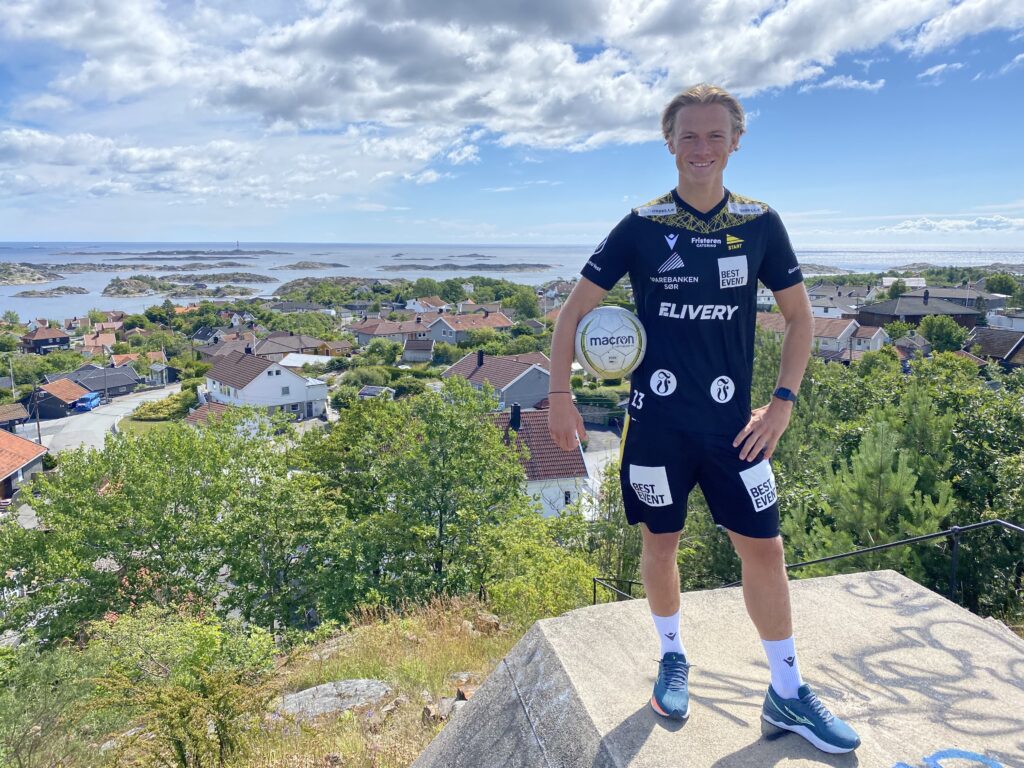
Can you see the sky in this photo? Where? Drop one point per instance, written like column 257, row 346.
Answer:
column 871, row 123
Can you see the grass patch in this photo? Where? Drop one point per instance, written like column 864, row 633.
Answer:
column 131, row 426
column 414, row 652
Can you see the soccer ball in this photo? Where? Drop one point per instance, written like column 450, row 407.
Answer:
column 610, row 342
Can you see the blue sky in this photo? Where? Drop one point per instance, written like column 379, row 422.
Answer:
column 872, row 123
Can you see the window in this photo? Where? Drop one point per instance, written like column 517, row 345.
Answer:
column 285, row 390
column 270, row 373
column 277, row 372
column 568, row 497
column 295, row 406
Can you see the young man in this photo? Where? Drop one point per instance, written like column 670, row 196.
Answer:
column 694, row 257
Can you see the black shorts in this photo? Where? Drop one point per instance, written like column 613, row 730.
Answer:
column 660, row 466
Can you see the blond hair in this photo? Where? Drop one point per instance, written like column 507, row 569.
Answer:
column 703, row 94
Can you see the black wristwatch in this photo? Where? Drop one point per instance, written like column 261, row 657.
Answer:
column 785, row 394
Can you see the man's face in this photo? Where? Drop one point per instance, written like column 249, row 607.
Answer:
column 702, row 142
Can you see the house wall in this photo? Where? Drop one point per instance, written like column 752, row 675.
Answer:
column 529, row 390
column 266, row 392
column 22, row 476
column 996, row 320
column 417, row 356
column 550, row 494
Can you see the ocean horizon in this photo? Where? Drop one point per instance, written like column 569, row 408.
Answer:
column 528, row 264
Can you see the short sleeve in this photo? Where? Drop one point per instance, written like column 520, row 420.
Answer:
column 779, row 268
column 612, row 258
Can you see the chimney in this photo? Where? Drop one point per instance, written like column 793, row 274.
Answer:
column 479, row 358
column 419, row 319
column 486, row 313
column 925, row 295
column 514, row 420
column 248, row 349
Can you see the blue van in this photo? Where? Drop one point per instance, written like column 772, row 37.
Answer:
column 87, row 402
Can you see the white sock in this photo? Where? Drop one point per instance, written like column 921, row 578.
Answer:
column 782, row 661
column 668, row 633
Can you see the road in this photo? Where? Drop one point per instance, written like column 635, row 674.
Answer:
column 91, row 428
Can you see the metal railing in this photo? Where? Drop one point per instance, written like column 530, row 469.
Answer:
column 953, row 534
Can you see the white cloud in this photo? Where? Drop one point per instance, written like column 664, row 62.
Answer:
column 469, row 153
column 995, row 223
column 1017, row 61
column 939, row 70
column 845, row 82
column 965, row 19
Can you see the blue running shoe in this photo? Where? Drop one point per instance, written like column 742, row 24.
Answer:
column 671, row 697
column 807, row 716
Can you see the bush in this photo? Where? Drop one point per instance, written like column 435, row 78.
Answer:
column 191, row 384
column 196, row 686
column 173, row 407
column 344, row 397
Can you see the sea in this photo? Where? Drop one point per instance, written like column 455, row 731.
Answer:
column 528, row 264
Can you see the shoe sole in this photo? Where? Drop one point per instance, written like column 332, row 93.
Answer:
column 807, row 733
column 663, row 713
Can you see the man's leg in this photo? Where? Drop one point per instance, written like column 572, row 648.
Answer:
column 660, row 574
column 790, row 704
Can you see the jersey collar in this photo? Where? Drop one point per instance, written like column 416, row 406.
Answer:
column 700, row 214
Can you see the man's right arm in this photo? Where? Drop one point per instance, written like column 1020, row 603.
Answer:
column 564, row 421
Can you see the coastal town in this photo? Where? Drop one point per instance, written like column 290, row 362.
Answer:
column 308, row 359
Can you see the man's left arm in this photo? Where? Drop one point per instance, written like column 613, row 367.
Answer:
column 768, row 422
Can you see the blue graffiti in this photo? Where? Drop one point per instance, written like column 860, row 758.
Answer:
column 935, row 761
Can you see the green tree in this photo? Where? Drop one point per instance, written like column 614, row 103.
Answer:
column 383, row 351
column 1003, row 283
column 942, row 331
column 897, row 329
column 8, row 342
column 10, row 317
column 426, row 286
column 897, row 289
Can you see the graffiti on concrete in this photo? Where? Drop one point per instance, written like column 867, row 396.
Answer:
column 937, row 760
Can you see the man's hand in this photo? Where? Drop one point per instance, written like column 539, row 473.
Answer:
column 565, row 422
column 764, row 429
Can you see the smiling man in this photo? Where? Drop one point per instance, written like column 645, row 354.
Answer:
column 694, row 258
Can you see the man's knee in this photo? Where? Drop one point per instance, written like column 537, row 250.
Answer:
column 660, row 547
column 760, row 553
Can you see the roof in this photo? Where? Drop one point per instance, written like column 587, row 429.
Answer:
column 999, row 343
column 498, row 371
column 237, row 369
column 344, row 344
column 867, row 331
column 44, row 332
column 282, row 341
column 203, row 413
column 419, row 345
column 297, row 360
column 16, row 452
column 471, row 322
column 99, row 339
column 915, row 306
column 552, row 314
column 546, row 461
column 956, row 292
column 824, row 327
column 99, row 379
column 226, row 347
column 296, row 306
column 432, row 301
column 369, row 390
column 12, row 412
column 65, row 390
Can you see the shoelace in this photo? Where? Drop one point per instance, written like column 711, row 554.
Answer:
column 675, row 673
column 818, row 707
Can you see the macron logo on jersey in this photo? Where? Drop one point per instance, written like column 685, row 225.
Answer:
column 697, row 311
column 671, row 240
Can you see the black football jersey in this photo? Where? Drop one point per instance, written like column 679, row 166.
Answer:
column 694, row 277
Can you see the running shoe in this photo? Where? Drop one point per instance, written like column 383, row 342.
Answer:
column 671, row 697
column 807, row 716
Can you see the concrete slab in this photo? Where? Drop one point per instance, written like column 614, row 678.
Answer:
column 926, row 683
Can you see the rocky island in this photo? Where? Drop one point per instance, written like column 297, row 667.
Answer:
column 96, row 267
column 313, row 265
column 477, row 267
column 60, row 290
column 220, row 277
column 14, row 273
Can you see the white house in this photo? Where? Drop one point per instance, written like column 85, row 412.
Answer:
column 1012, row 319
column 433, row 304
column 554, row 478
column 240, row 379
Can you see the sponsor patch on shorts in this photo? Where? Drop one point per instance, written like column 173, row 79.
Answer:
column 760, row 483
column 650, row 484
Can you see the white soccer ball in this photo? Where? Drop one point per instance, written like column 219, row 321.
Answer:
column 610, row 342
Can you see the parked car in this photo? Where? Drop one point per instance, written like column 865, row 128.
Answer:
column 87, row 402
